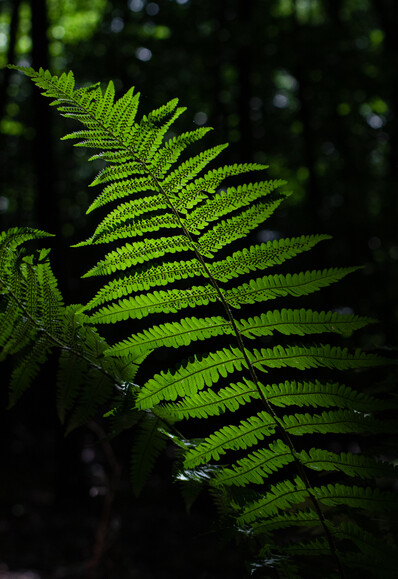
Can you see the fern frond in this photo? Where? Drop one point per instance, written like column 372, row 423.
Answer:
column 301, row 322
column 211, row 403
column 353, row 465
column 145, row 278
column 155, row 190
column 227, row 201
column 255, row 467
column 158, row 301
column 368, row 498
column 245, row 434
column 273, row 286
column 303, row 357
column 293, row 393
column 235, row 227
column 172, row 334
column 262, row 256
column 280, row 498
column 132, row 254
column 197, row 190
column 190, row 378
column 337, row 421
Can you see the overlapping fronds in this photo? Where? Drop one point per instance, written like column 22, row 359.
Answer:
column 162, row 200
column 35, row 323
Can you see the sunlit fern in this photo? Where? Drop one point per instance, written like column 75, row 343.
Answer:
column 35, row 324
column 172, row 220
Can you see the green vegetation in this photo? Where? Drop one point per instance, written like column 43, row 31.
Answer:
column 265, row 449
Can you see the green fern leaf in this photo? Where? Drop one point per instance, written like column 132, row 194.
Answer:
column 211, row 403
column 319, row 394
column 235, row 227
column 262, row 256
column 227, row 201
column 196, row 211
column 338, row 421
column 255, row 467
column 130, row 255
column 145, row 278
column 273, row 286
column 197, row 190
column 242, row 436
column 303, row 357
column 280, row 498
column 190, row 378
column 356, row 497
column 172, row 334
column 300, row 322
column 351, row 464
column 159, row 301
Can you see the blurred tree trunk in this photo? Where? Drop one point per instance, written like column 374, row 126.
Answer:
column 46, row 202
column 388, row 14
column 12, row 38
column 304, row 93
column 243, row 62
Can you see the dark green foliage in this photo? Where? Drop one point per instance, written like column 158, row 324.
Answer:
column 272, row 461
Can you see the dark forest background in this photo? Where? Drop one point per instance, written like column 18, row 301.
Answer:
column 308, row 87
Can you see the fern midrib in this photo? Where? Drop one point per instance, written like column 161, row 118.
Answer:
column 239, row 340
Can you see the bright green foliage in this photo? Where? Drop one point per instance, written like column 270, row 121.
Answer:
column 35, row 323
column 258, row 454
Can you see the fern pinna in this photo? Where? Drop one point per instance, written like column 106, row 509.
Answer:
column 171, row 218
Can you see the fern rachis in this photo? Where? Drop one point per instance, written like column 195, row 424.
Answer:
column 188, row 214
